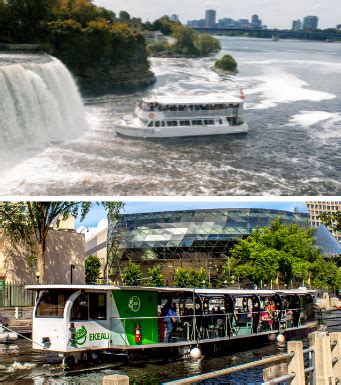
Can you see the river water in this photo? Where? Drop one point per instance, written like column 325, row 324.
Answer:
column 293, row 147
column 19, row 365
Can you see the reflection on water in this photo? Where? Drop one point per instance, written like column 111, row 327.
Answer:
column 20, row 365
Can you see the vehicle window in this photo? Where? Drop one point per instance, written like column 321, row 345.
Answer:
column 172, row 123
column 163, row 124
column 91, row 306
column 197, row 122
column 208, row 121
column 157, row 123
column 150, row 124
column 185, row 123
column 220, row 121
column 52, row 304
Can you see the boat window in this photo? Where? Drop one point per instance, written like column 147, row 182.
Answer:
column 185, row 123
column 163, row 124
column 196, row 122
column 150, row 124
column 52, row 303
column 208, row 121
column 220, row 121
column 89, row 306
column 157, row 123
column 172, row 123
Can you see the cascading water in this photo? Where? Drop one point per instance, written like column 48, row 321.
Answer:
column 39, row 103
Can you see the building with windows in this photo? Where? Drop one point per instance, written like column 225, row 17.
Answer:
column 210, row 18
column 316, row 208
column 194, row 238
column 256, row 21
column 310, row 22
column 296, row 25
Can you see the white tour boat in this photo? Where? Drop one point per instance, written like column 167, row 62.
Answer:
column 176, row 116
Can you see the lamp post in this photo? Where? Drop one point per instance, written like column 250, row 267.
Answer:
column 203, row 283
column 72, row 267
column 174, row 270
column 225, row 284
column 37, row 277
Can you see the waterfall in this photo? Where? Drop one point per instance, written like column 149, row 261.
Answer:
column 39, row 103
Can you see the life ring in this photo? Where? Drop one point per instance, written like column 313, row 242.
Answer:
column 151, row 115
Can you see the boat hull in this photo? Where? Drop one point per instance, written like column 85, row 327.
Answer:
column 174, row 132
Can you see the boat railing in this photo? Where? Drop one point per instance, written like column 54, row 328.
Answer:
column 212, row 326
column 197, row 113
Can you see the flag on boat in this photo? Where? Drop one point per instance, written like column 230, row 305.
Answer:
column 241, row 94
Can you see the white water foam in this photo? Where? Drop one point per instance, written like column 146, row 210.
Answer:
column 282, row 87
column 329, row 127
column 39, row 103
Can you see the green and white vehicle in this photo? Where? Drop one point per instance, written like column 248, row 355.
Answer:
column 82, row 321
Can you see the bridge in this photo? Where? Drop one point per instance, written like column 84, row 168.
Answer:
column 310, row 35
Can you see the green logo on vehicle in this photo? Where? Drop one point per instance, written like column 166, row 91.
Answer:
column 134, row 303
column 81, row 335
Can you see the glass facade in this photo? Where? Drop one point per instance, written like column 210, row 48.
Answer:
column 176, row 234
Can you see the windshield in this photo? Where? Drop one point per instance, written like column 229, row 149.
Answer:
column 51, row 303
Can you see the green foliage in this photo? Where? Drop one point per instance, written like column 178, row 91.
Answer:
column 132, row 274
column 92, row 269
column 124, row 15
column 160, row 46
column 285, row 250
column 326, row 274
column 191, row 278
column 149, row 255
column 29, row 223
column 226, row 63
column 156, row 279
column 185, row 41
column 331, row 220
column 227, row 271
column 163, row 24
column 207, row 44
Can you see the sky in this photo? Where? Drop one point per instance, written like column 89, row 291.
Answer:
column 96, row 219
column 274, row 13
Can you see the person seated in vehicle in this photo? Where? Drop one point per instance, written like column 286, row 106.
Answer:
column 242, row 318
column 266, row 319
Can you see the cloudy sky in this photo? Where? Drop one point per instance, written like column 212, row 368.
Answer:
column 274, row 13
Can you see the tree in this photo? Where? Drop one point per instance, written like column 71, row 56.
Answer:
column 226, row 272
column 226, row 63
column 331, row 220
column 29, row 223
column 155, row 278
column 92, row 269
column 207, row 44
column 191, row 278
column 185, row 40
column 124, row 15
column 326, row 274
column 132, row 274
column 149, row 255
column 279, row 249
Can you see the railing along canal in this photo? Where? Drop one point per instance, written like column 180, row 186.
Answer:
column 324, row 364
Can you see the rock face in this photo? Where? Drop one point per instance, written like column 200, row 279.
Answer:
column 107, row 73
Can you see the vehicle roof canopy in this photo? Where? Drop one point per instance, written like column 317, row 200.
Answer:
column 193, row 100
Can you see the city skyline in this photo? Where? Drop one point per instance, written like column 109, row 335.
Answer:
column 273, row 13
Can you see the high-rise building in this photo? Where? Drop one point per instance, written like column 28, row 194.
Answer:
column 316, row 208
column 310, row 22
column 338, row 27
column 210, row 18
column 256, row 21
column 296, row 25
column 175, row 18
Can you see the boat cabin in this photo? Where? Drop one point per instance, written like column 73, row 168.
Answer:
column 71, row 318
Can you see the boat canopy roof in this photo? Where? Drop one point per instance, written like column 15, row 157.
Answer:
column 192, row 99
column 171, row 289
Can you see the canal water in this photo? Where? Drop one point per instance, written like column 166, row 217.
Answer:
column 19, row 365
column 293, row 147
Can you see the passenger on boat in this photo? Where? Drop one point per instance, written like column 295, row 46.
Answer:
column 171, row 320
column 266, row 319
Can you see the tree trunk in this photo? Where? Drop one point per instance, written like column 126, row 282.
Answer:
column 40, row 264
